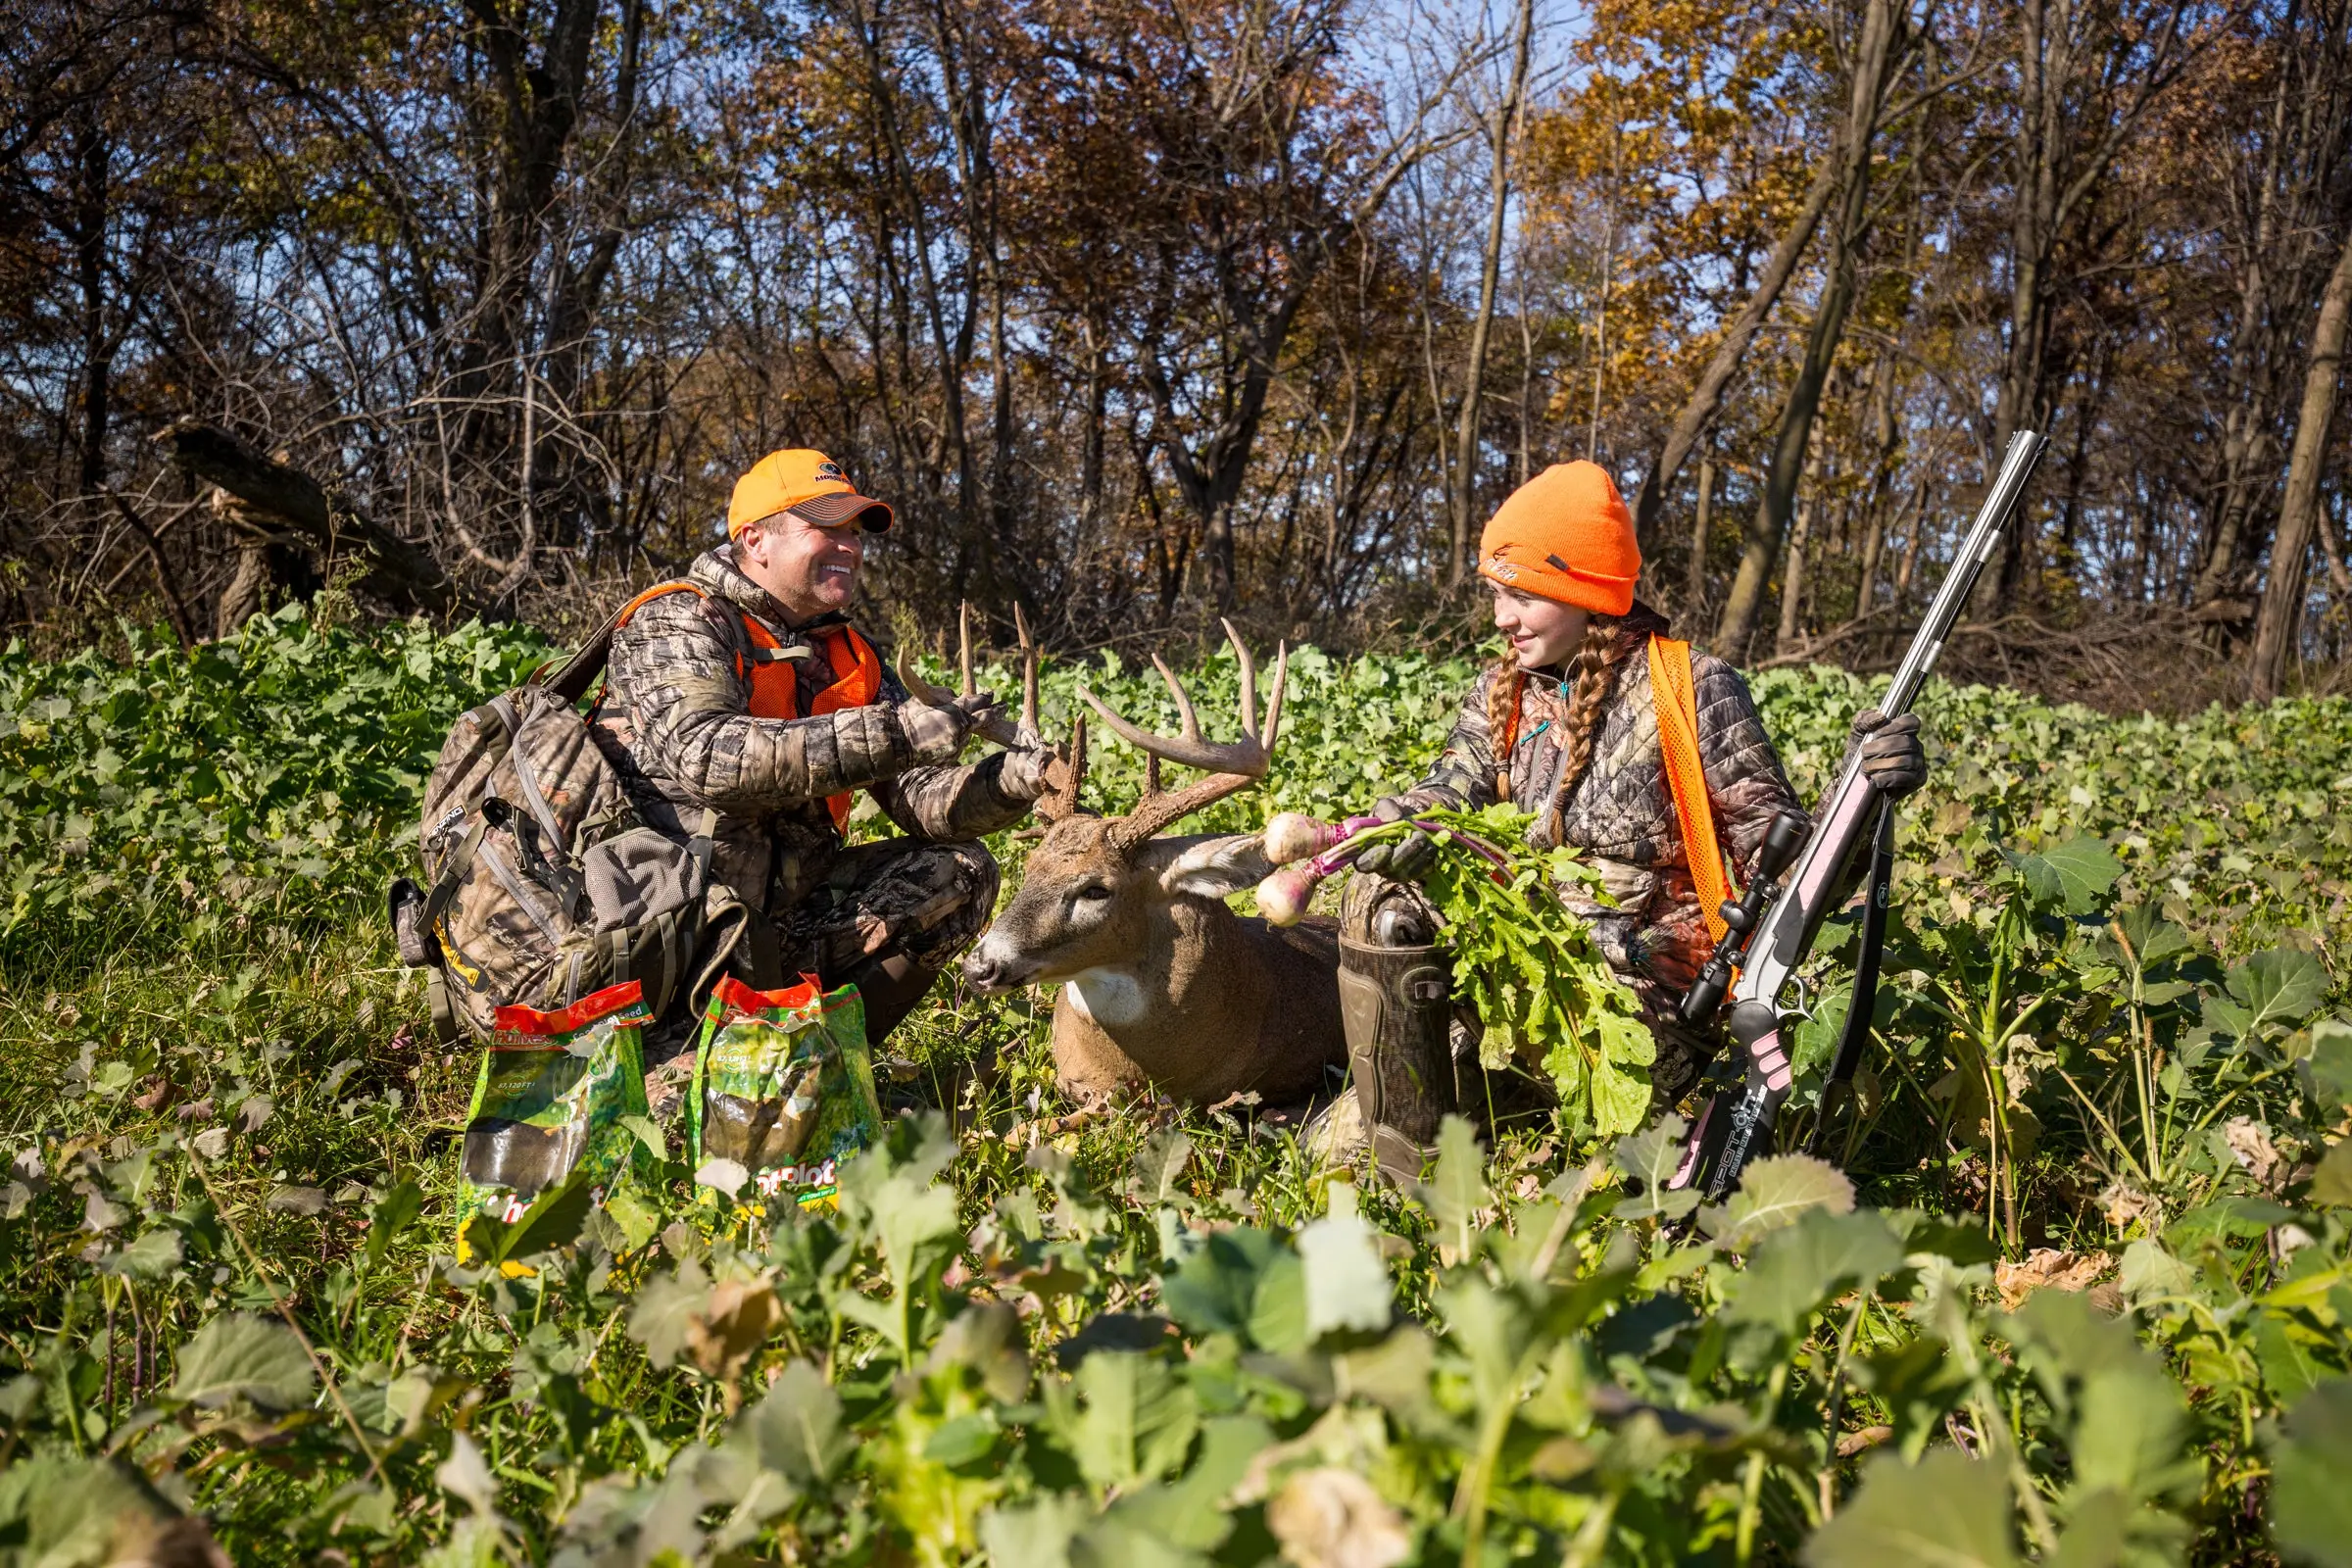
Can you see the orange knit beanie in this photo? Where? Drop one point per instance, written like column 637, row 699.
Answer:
column 1565, row 534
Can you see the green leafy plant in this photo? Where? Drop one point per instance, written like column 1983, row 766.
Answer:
column 2080, row 1289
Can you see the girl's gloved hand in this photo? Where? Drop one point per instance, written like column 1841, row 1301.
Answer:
column 1404, row 860
column 1893, row 758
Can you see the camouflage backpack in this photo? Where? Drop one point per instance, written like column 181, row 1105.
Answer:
column 541, row 886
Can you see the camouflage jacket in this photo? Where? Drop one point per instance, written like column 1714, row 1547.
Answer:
column 675, row 721
column 1621, row 812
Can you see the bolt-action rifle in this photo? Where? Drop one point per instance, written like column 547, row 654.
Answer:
column 1774, row 925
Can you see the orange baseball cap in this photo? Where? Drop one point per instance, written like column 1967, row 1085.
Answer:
column 1565, row 535
column 808, row 484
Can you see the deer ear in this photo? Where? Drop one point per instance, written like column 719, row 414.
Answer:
column 1211, row 867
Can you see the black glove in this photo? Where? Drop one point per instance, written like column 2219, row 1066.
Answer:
column 1892, row 759
column 1404, row 860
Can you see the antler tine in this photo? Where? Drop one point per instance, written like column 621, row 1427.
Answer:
column 921, row 690
column 1029, row 722
column 1240, row 651
column 1189, row 721
column 1282, row 670
column 964, row 646
column 1061, row 800
column 1245, row 757
column 1231, row 766
column 998, row 729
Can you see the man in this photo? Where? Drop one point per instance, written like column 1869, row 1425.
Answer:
column 745, row 692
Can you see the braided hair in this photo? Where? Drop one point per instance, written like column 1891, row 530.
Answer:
column 1589, row 677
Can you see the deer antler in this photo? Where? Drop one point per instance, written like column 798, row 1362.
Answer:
column 1000, row 729
column 1068, row 774
column 1231, row 766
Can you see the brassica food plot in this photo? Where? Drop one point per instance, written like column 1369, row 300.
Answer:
column 2075, row 1287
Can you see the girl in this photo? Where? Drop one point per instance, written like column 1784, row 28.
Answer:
column 1565, row 727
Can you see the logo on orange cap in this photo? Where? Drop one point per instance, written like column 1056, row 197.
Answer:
column 808, row 484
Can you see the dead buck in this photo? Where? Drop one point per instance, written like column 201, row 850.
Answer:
column 1162, row 986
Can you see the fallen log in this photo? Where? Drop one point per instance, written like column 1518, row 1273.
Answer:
column 403, row 573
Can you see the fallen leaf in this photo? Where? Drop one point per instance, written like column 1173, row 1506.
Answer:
column 2047, row 1268
column 725, row 1334
column 210, row 1144
column 255, row 1111
column 2122, row 1204
column 1332, row 1518
column 297, row 1201
column 2250, row 1145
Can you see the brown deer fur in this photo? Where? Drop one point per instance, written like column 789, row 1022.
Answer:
column 1162, row 986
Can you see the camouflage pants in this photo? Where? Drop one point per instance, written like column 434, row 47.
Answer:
column 891, row 897
column 1683, row 1054
column 894, row 898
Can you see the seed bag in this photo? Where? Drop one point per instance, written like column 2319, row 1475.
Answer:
column 783, row 1085
column 549, row 1100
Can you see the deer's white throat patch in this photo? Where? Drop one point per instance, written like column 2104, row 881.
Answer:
column 1107, row 996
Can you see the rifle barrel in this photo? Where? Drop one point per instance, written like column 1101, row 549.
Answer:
column 1984, row 538
column 1788, row 928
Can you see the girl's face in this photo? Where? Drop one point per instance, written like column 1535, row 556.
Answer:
column 1544, row 632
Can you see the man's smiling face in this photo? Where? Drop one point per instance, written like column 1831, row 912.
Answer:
column 810, row 570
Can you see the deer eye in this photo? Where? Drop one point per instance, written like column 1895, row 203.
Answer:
column 1092, row 891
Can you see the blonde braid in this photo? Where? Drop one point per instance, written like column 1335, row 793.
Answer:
column 1591, row 675
column 1502, row 705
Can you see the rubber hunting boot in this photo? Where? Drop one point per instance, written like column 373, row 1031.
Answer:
column 1396, row 1009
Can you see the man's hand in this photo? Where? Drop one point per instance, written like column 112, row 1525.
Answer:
column 1892, row 759
column 1404, row 860
column 938, row 733
column 1031, row 770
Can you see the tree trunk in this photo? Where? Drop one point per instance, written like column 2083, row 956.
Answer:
column 1706, row 399
column 2282, row 595
column 1866, row 586
column 2059, row 82
column 1695, row 571
column 2244, row 440
column 1876, row 48
column 403, row 573
column 1506, row 135
column 1793, row 576
column 94, row 158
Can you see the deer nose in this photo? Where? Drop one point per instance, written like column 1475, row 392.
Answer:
column 984, row 970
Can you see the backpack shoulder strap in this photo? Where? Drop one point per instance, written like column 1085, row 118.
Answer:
column 571, row 678
column 1675, row 693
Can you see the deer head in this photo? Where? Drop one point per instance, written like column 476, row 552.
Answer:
column 1097, row 888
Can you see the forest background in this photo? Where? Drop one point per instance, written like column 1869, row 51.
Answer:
column 1145, row 310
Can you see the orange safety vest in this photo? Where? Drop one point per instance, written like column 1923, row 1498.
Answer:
column 776, row 687
column 1674, row 695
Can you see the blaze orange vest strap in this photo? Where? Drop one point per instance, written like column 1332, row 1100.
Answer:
column 776, row 686
column 1672, row 691
column 651, row 594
